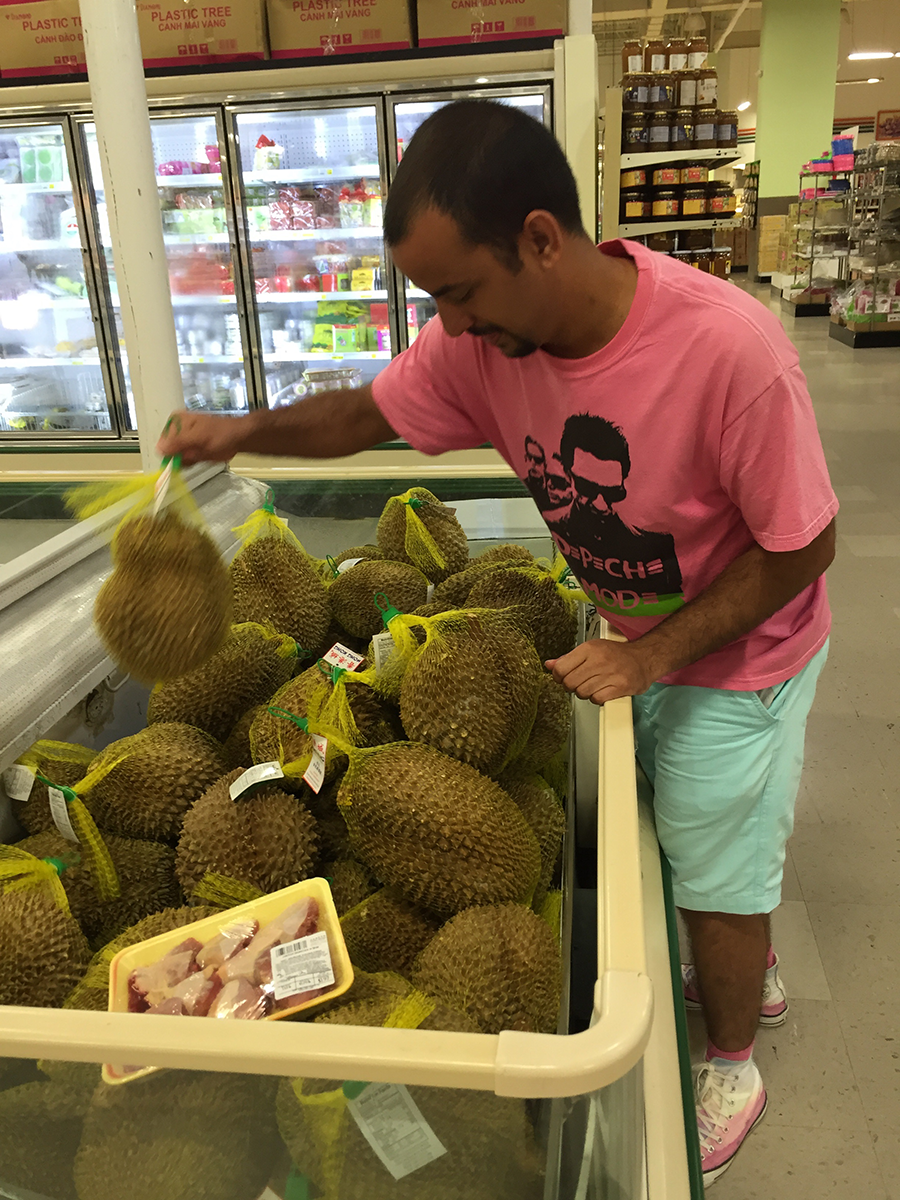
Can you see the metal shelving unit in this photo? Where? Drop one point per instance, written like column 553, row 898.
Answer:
column 817, row 229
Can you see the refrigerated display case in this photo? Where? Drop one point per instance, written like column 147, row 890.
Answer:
column 53, row 369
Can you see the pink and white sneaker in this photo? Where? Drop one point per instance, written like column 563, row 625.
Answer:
column 774, row 1008
column 730, row 1104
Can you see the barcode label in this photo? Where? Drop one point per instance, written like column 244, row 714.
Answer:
column 383, row 645
column 347, row 564
column 18, row 782
column 228, row 45
column 314, row 774
column 343, row 656
column 302, row 965
column 254, row 778
column 59, row 810
column 390, row 1121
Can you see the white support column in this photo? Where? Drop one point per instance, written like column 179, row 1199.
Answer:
column 119, row 98
column 577, row 105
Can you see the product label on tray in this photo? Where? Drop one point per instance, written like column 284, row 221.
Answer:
column 18, row 782
column 302, row 965
column 390, row 1121
column 59, row 810
column 314, row 774
column 383, row 645
column 343, row 656
column 254, row 778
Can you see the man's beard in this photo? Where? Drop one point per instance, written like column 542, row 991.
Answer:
column 521, row 347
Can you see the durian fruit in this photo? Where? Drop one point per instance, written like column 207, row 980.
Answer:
column 431, row 608
column 542, row 810
column 398, row 541
column 454, row 590
column 147, row 883
column 276, row 581
column 276, row 739
column 500, row 964
column 91, row 992
column 368, row 551
column 179, row 1134
column 488, row 1139
column 165, row 768
column 506, row 553
column 386, row 933
column 550, row 616
column 267, row 839
column 40, row 1128
column 550, row 732
column 250, row 668
column 43, row 952
column 350, row 883
column 166, row 607
column 337, row 633
column 445, row 835
column 64, row 764
column 353, row 594
column 471, row 691
column 331, row 828
column 237, row 744
column 385, row 999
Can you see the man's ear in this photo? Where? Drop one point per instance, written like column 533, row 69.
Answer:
column 541, row 239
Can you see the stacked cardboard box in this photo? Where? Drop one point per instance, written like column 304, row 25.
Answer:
column 307, row 28
column 458, row 22
column 40, row 38
column 770, row 231
column 736, row 240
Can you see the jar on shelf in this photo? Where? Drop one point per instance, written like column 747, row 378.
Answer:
column 666, row 177
column 684, row 256
column 655, row 57
column 635, row 132
column 705, row 128
column 666, row 204
column 730, row 201
column 693, row 202
column 727, row 128
column 721, row 261
column 704, row 261
column 694, row 173
column 662, row 90
column 677, row 54
column 707, row 88
column 660, row 131
column 685, row 89
column 635, row 92
column 634, row 205
column 716, row 198
column 683, row 129
column 698, row 52
column 632, row 57
column 632, row 179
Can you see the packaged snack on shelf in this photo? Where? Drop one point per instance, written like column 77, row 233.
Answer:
column 267, row 155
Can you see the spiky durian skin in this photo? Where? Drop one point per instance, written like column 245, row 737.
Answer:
column 34, row 814
column 275, row 581
column 40, row 1128
column 350, row 883
column 386, row 933
column 441, row 523
column 541, row 808
column 550, row 732
column 353, row 593
column 547, row 613
column 43, row 952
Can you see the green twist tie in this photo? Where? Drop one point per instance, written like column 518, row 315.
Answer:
column 387, row 610
column 331, row 670
column 351, row 1090
column 57, row 864
column 297, row 1187
column 300, row 722
column 416, row 502
column 334, row 571
column 300, row 651
column 69, row 794
column 174, row 460
column 269, row 502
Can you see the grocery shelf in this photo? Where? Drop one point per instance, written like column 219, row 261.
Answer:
column 27, row 244
column 311, row 174
column 721, row 157
column 642, row 227
column 315, row 235
column 19, row 363
column 56, row 301
column 179, row 301
column 309, row 297
column 207, row 181
column 324, row 355
column 882, row 335
column 58, row 185
column 801, row 309
column 195, row 359
column 191, row 239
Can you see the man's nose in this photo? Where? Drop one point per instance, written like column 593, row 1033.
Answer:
column 454, row 320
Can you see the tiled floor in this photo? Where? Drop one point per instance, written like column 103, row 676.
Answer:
column 833, row 1071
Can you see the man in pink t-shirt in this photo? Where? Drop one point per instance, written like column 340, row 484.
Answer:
column 662, row 424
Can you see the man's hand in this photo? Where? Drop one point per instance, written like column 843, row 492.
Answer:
column 201, row 437
column 600, row 670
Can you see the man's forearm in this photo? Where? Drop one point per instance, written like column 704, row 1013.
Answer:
column 328, row 425
column 746, row 593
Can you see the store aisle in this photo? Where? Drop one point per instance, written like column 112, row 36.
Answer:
column 833, row 1071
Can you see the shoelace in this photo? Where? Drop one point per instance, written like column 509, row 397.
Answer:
column 709, row 1086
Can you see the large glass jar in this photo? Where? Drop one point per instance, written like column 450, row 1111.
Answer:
column 693, row 202
column 635, row 92
column 677, row 55
column 655, row 57
column 635, row 132
column 727, row 128
column 707, row 88
column 698, row 52
column 705, row 128
column 685, row 89
column 632, row 58
column 666, row 204
column 662, row 90
column 660, row 135
column 634, row 205
column 683, row 129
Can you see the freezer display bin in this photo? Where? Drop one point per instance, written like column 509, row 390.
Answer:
column 252, row 1110
column 198, row 230
column 52, row 368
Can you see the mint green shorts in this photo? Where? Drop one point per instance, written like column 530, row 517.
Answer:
column 725, row 770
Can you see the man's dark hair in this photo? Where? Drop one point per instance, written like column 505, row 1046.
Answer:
column 487, row 166
column 598, row 437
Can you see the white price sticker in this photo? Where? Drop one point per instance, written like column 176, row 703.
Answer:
column 253, row 778
column 383, row 645
column 59, row 810
column 18, row 782
column 302, row 965
column 314, row 774
column 429, row 595
column 343, row 656
column 390, row 1121
column 347, row 564
column 894, row 316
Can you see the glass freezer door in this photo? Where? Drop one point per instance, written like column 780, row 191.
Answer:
column 197, row 228
column 52, row 372
column 311, row 191
column 418, row 307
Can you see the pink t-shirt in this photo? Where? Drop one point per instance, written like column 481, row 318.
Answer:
column 656, row 461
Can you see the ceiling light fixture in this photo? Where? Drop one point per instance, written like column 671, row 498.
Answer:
column 743, row 106
column 873, row 79
column 871, row 54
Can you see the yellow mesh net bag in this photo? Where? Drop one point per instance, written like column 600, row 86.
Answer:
column 417, row 528
column 63, row 762
column 546, row 607
column 166, row 607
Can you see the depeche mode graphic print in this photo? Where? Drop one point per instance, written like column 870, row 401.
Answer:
column 577, row 488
